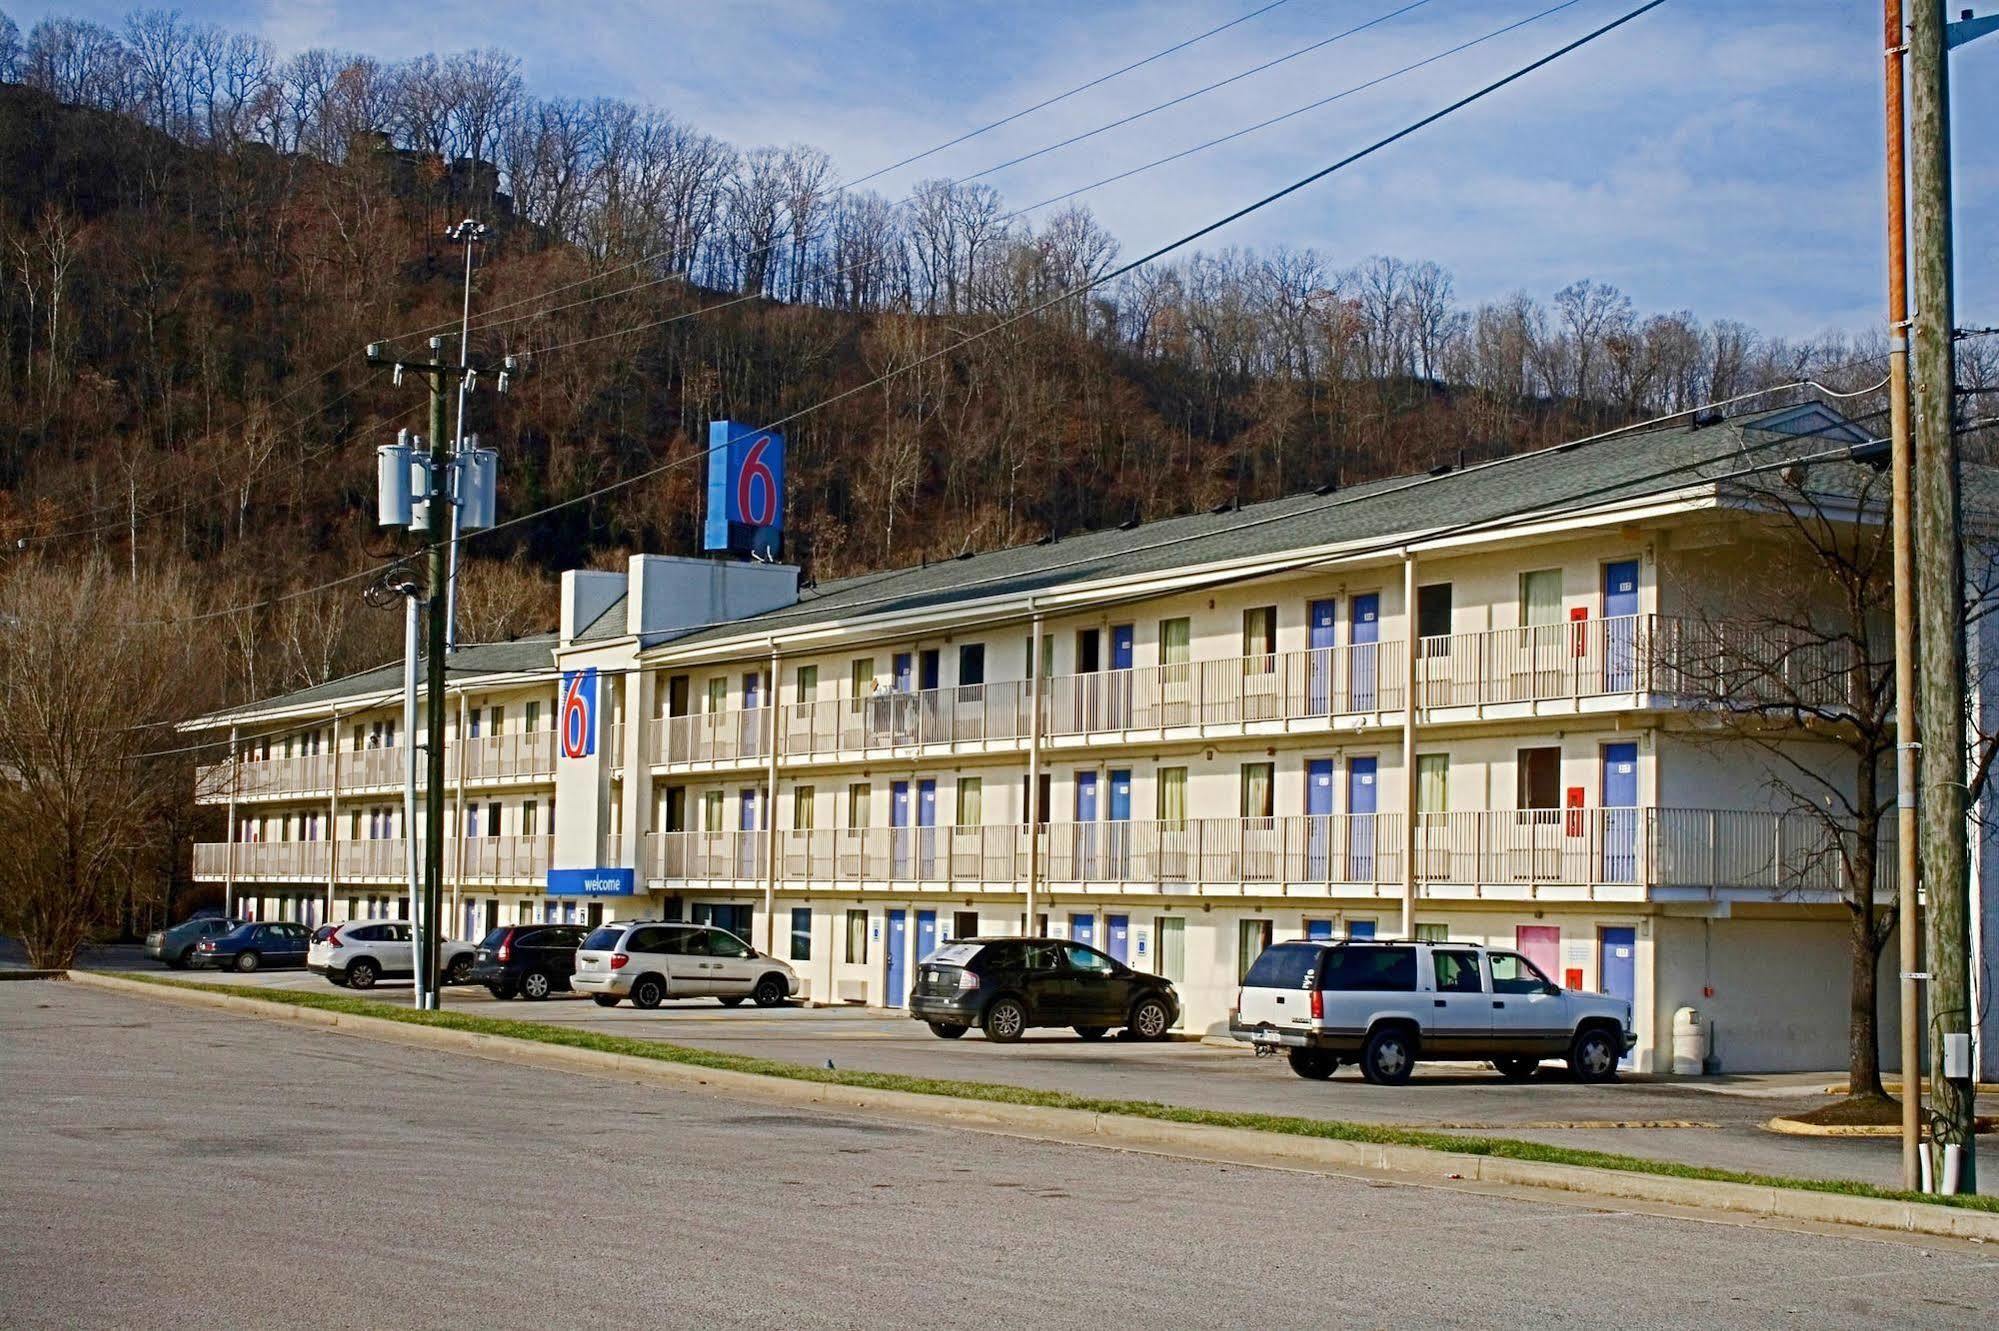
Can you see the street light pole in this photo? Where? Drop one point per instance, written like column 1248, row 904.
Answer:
column 469, row 232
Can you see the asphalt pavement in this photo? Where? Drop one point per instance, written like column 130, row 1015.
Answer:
column 1716, row 1122
column 166, row 1164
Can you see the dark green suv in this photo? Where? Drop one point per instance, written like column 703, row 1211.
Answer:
column 1004, row 986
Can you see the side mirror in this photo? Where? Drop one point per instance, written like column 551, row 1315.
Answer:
column 1552, row 990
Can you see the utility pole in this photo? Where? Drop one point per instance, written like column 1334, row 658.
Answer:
column 1907, row 911
column 461, row 486
column 1939, row 590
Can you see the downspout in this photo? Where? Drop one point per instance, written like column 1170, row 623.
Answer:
column 1410, row 646
column 1033, row 769
column 458, row 819
column 333, row 822
column 229, row 857
column 770, row 804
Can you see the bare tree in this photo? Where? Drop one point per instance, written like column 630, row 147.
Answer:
column 92, row 685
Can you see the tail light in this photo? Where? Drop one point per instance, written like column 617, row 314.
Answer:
column 506, row 948
column 333, row 939
column 205, row 945
column 1238, row 1003
column 618, row 960
column 967, row 982
column 1318, row 1005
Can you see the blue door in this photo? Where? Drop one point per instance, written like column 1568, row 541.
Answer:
column 1117, row 857
column 1620, row 813
column 1086, row 825
column 1119, row 683
column 1364, row 634
column 1117, row 937
column 1083, row 929
column 1323, row 617
column 1617, row 967
column 898, row 828
column 1620, row 626
column 1318, row 928
column 905, row 672
column 898, row 958
column 749, row 726
column 1360, row 826
column 926, row 933
column 926, row 829
column 746, row 846
column 1318, row 819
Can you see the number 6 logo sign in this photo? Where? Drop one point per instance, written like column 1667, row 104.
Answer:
column 579, row 713
column 756, row 487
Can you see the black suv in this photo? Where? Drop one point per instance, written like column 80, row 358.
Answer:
column 1005, row 985
column 531, row 960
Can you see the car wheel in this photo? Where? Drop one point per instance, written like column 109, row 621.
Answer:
column 771, row 991
column 362, row 974
column 647, row 992
column 1312, row 1064
column 1388, row 1057
column 500, row 991
column 459, row 968
column 945, row 1030
column 604, row 1000
column 1593, row 1057
column 247, row 961
column 733, row 1000
column 1516, row 1069
column 1006, row 1021
column 1091, row 1032
column 535, row 986
column 181, row 962
column 1150, row 1020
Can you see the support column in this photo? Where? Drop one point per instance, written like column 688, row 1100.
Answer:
column 333, row 820
column 770, row 804
column 1033, row 773
column 229, row 856
column 458, row 828
column 1410, row 647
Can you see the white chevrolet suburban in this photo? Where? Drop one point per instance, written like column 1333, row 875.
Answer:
column 1387, row 1004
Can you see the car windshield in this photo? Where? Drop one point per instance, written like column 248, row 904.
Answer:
column 494, row 938
column 1286, row 966
column 241, row 931
column 604, row 939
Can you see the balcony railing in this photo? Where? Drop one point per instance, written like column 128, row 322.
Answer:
column 1700, row 849
column 484, row 760
column 522, row 860
column 1674, row 662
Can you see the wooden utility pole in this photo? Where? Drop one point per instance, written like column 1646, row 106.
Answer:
column 1907, row 913
column 1939, row 585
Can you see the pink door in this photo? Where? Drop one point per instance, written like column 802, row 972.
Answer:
column 1542, row 945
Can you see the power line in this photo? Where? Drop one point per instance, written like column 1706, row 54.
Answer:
column 1115, row 273
column 1197, row 92
column 843, row 186
column 1344, row 93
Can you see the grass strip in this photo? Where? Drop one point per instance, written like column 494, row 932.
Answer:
column 1505, row 1148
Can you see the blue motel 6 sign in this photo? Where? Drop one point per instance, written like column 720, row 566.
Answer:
column 579, row 713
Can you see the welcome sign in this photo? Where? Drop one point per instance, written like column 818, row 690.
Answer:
column 606, row 882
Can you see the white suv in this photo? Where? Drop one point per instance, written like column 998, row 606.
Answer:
column 356, row 954
column 1387, row 1004
column 649, row 961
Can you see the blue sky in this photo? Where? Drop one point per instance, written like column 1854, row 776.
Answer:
column 1714, row 155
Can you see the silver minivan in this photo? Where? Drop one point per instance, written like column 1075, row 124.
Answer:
column 650, row 961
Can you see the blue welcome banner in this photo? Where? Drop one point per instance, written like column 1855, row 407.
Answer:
column 592, row 882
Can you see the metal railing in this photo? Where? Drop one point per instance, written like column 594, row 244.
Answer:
column 488, row 758
column 1782, row 853
column 521, row 860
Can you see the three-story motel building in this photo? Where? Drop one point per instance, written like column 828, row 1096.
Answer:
column 1472, row 704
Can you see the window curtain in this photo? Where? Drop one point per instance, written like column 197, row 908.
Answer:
column 1541, row 597
column 1173, row 796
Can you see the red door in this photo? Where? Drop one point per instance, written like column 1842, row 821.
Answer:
column 1542, row 945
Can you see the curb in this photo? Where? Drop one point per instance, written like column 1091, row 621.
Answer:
column 23, row 973
column 1242, row 1145
column 1792, row 1127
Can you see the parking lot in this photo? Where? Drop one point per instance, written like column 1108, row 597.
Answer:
column 1715, row 1122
